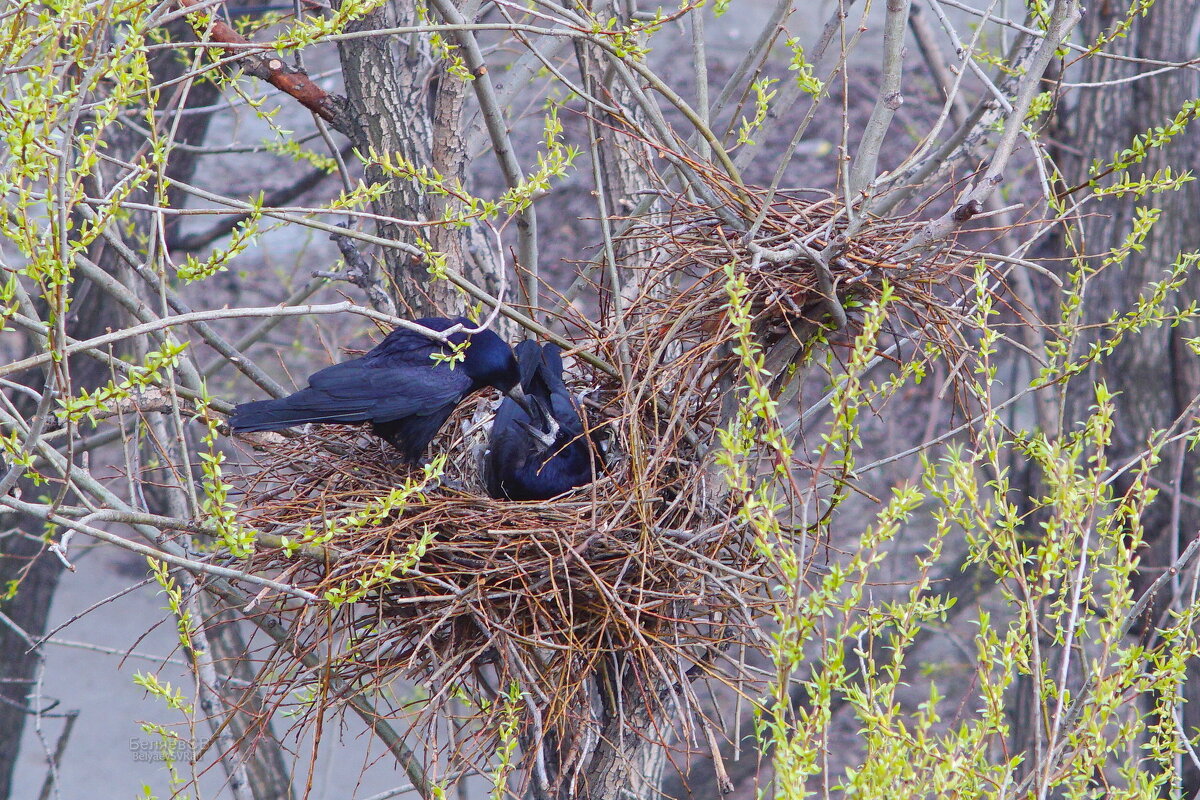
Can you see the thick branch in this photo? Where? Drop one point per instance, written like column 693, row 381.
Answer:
column 890, row 97
column 274, row 71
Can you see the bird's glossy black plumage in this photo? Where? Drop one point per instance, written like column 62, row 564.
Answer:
column 404, row 393
column 538, row 456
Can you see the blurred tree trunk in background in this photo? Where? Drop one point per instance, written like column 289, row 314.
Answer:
column 1154, row 375
column 23, row 560
column 251, row 731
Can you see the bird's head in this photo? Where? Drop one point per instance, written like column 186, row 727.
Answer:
column 529, row 358
column 489, row 361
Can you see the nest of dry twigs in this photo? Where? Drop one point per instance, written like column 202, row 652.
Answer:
column 808, row 261
column 632, row 581
column 464, row 594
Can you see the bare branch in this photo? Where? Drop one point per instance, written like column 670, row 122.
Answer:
column 174, row 558
column 215, row 314
column 890, row 97
column 360, row 273
column 1065, row 16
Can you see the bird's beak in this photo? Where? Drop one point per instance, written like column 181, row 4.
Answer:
column 518, row 396
column 545, row 438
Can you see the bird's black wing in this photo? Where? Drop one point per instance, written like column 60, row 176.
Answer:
column 405, row 348
column 384, row 393
column 355, row 391
column 397, row 386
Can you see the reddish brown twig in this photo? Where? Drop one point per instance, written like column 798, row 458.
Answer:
column 274, row 71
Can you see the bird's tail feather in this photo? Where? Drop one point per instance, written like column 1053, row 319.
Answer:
column 273, row 415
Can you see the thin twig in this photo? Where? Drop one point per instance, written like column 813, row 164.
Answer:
column 493, row 117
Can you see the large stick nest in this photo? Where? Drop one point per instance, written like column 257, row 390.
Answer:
column 636, row 580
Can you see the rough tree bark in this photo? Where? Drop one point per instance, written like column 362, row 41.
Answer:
column 403, row 101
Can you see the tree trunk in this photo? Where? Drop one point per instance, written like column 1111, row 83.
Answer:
column 407, row 104
column 1154, row 374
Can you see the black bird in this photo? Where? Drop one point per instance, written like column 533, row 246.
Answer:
column 535, row 456
column 404, row 393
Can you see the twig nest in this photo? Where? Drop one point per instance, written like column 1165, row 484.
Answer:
column 630, row 582
column 425, row 578
column 809, row 263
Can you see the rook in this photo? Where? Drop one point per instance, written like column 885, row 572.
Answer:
column 397, row 386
